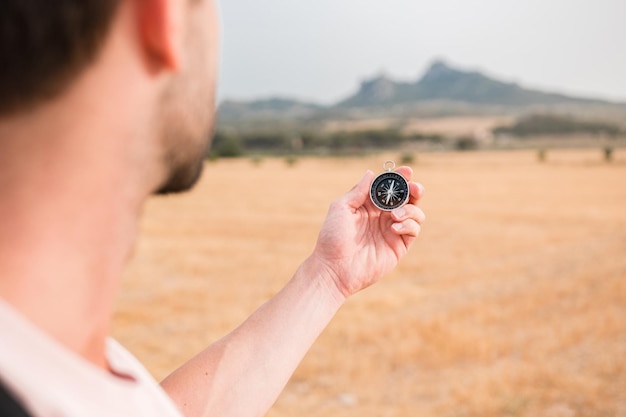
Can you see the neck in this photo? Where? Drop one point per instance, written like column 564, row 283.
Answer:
column 68, row 220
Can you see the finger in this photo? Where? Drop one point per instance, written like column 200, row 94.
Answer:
column 409, row 228
column 405, row 171
column 416, row 188
column 408, row 211
column 359, row 194
column 416, row 191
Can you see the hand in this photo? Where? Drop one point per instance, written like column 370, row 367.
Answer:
column 359, row 243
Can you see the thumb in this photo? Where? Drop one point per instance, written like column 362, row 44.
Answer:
column 359, row 194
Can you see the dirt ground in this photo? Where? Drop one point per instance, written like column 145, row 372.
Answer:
column 457, row 126
column 511, row 303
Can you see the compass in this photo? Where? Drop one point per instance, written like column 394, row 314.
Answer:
column 389, row 190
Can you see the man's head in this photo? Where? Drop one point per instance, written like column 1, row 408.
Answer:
column 46, row 46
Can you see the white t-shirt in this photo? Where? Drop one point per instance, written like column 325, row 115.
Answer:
column 51, row 381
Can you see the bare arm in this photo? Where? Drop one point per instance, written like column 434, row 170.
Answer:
column 243, row 373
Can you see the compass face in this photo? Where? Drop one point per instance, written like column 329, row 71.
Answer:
column 389, row 191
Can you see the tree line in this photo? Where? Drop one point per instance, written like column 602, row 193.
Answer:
column 234, row 143
column 548, row 124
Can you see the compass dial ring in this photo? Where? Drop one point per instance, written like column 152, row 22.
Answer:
column 389, row 191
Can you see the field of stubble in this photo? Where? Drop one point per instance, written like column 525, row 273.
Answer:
column 511, row 303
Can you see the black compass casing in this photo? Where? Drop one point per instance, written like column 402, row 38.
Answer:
column 389, row 191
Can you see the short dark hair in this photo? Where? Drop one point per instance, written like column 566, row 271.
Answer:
column 44, row 44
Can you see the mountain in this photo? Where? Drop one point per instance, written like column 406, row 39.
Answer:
column 441, row 91
column 442, row 82
column 271, row 107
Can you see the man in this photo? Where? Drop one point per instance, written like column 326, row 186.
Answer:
column 103, row 103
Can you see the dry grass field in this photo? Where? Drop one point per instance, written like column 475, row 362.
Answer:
column 511, row 303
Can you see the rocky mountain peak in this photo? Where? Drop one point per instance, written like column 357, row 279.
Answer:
column 379, row 88
column 437, row 71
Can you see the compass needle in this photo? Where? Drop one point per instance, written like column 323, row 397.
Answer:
column 390, row 192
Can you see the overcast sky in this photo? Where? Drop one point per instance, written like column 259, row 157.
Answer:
column 321, row 49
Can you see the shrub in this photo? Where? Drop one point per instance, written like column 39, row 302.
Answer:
column 407, row 158
column 256, row 160
column 541, row 155
column 291, row 160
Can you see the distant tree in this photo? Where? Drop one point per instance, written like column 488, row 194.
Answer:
column 264, row 141
column 225, row 145
column 312, row 140
column 466, row 143
column 366, row 139
column 421, row 137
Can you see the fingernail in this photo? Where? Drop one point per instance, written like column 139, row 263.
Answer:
column 397, row 226
column 399, row 212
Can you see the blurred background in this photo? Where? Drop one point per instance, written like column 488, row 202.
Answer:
column 332, row 76
column 513, row 115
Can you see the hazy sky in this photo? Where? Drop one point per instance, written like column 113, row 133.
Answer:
column 321, row 49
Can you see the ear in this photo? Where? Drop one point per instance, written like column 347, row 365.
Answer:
column 160, row 24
